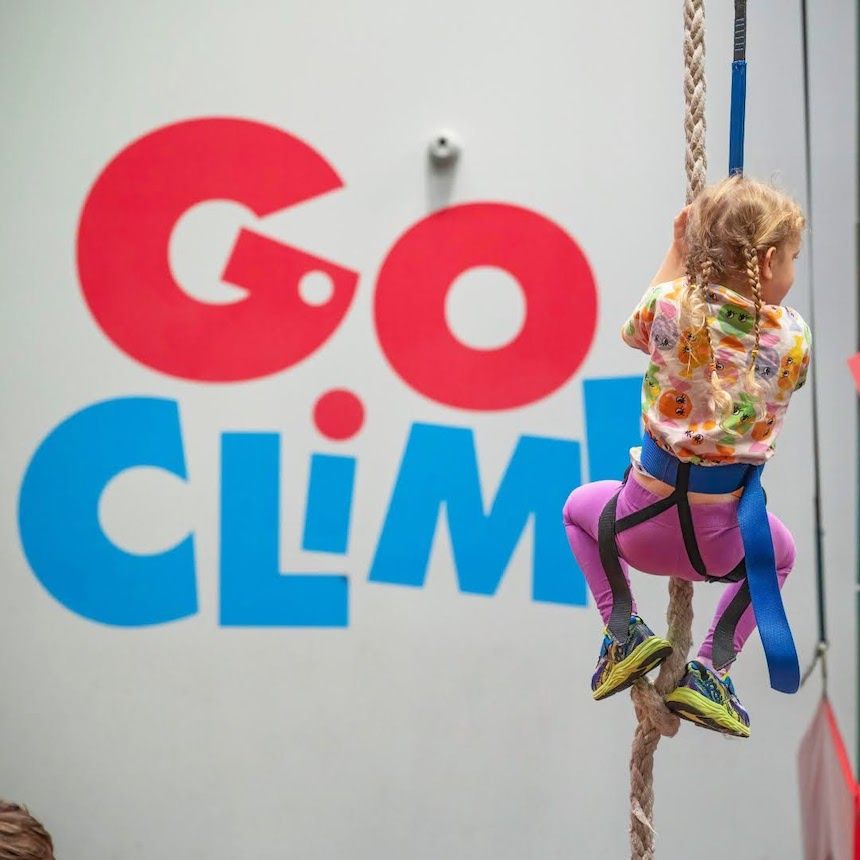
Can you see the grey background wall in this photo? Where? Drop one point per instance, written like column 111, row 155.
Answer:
column 438, row 723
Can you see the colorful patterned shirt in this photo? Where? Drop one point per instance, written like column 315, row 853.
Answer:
column 678, row 408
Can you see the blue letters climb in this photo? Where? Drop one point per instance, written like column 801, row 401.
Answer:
column 613, row 424
column 329, row 503
column 58, row 515
column 254, row 592
column 439, row 467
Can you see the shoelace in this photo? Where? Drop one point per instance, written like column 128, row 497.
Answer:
column 733, row 698
column 712, row 686
column 727, row 696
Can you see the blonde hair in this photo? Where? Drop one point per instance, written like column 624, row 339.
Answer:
column 22, row 837
column 729, row 225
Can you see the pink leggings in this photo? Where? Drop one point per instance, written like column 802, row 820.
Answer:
column 657, row 546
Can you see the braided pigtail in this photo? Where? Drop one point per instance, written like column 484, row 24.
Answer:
column 691, row 273
column 693, row 314
column 694, row 308
column 751, row 258
column 722, row 399
column 707, row 278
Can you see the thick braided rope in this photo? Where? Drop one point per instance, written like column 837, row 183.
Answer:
column 694, row 95
column 654, row 719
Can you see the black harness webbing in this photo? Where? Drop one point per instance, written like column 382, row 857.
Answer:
column 610, row 526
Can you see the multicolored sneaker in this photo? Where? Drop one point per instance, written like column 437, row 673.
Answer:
column 618, row 666
column 709, row 701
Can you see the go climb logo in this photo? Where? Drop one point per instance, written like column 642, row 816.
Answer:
column 122, row 255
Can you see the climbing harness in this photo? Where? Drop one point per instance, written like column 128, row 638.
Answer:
column 757, row 568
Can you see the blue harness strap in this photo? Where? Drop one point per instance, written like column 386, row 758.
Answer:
column 739, row 90
column 703, row 479
column 763, row 584
column 736, row 128
column 769, row 612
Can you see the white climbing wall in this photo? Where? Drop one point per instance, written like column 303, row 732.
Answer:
column 427, row 695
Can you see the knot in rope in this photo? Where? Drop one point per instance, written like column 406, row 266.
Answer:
column 649, row 705
column 655, row 720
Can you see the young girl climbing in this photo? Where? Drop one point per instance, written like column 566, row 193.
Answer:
column 725, row 356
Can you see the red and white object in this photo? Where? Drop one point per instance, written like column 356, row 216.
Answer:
column 829, row 794
column 854, row 365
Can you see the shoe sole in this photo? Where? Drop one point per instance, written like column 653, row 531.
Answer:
column 705, row 713
column 642, row 660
